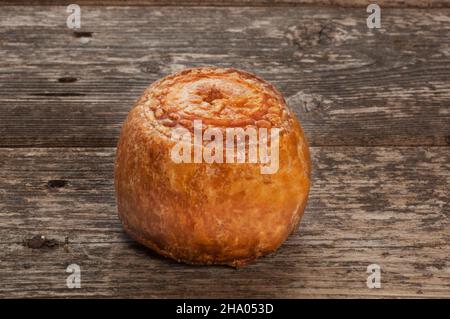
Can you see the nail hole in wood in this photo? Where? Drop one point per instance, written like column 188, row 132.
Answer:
column 67, row 79
column 82, row 34
column 56, row 183
column 59, row 94
column 39, row 241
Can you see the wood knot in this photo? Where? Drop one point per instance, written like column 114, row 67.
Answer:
column 313, row 34
column 308, row 102
column 150, row 67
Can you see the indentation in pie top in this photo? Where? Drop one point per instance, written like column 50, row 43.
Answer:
column 218, row 97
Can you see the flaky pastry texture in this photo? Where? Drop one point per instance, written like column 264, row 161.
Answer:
column 209, row 213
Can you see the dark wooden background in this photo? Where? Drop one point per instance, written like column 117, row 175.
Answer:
column 375, row 105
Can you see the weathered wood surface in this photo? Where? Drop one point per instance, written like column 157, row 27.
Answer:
column 388, row 89
column 339, row 3
column 368, row 205
column 349, row 85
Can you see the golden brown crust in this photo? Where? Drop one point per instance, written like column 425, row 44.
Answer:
column 217, row 213
column 219, row 97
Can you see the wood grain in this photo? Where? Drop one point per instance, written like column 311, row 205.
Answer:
column 348, row 84
column 388, row 206
column 64, row 95
column 339, row 3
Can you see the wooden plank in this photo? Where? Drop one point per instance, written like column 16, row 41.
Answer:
column 388, row 206
column 348, row 84
column 339, row 3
